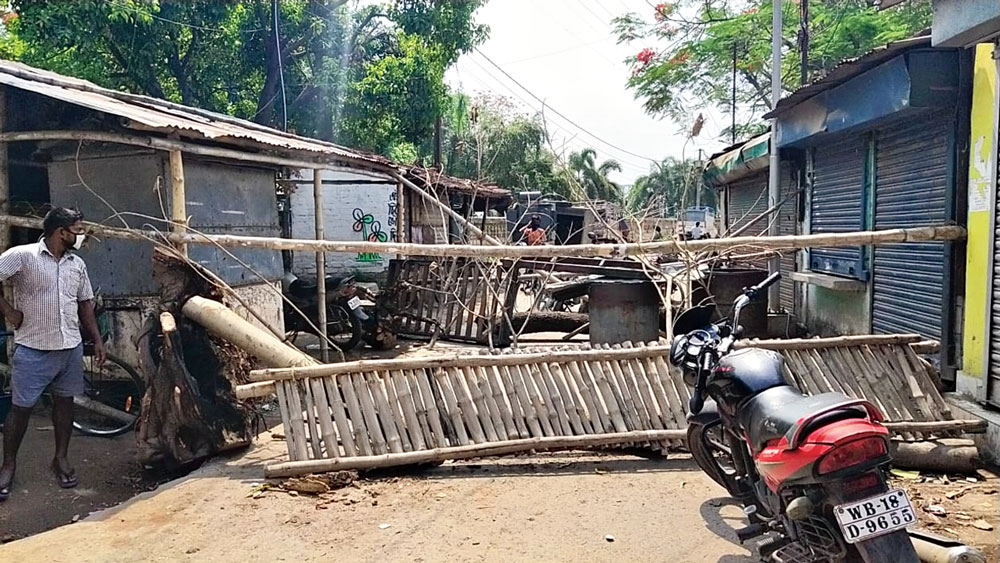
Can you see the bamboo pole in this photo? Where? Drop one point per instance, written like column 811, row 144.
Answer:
column 359, row 431
column 430, row 406
column 324, row 343
column 293, row 468
column 396, row 406
column 457, row 360
column 284, row 409
column 787, row 242
column 384, row 412
column 833, row 342
column 482, row 407
column 405, row 398
column 178, row 199
column 312, row 425
column 368, row 411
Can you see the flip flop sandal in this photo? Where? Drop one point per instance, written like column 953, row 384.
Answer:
column 4, row 493
column 66, row 480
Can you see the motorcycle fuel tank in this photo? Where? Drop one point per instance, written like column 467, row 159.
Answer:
column 745, row 373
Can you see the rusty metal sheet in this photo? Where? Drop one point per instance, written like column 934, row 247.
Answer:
column 162, row 115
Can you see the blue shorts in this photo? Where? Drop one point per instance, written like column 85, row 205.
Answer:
column 34, row 370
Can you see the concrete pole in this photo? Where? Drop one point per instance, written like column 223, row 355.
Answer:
column 774, row 177
column 178, row 201
column 324, row 345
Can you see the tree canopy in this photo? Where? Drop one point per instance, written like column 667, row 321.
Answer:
column 372, row 78
column 688, row 46
column 669, row 187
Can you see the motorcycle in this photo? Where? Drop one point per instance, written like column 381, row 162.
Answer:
column 343, row 309
column 810, row 471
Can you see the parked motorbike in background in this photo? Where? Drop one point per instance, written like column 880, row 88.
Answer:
column 344, row 323
column 810, row 471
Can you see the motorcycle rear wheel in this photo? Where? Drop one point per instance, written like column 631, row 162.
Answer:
column 343, row 329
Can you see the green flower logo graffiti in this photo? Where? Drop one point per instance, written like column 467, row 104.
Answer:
column 371, row 231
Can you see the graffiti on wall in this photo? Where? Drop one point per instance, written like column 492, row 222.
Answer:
column 371, row 229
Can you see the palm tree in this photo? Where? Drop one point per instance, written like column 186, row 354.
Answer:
column 593, row 178
column 671, row 183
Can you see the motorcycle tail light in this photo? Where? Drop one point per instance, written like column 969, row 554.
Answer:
column 852, row 453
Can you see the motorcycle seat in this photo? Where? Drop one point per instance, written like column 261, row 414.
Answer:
column 779, row 411
column 302, row 288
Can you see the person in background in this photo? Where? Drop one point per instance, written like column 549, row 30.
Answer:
column 53, row 297
column 657, row 234
column 534, row 234
column 697, row 233
column 624, row 229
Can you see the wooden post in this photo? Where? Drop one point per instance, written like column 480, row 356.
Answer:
column 178, row 203
column 324, row 344
column 8, row 293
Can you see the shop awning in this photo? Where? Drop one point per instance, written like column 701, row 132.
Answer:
column 738, row 161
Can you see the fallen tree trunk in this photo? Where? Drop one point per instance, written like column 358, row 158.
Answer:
column 546, row 321
column 189, row 411
column 939, row 457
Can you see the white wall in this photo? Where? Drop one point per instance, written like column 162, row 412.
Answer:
column 342, row 204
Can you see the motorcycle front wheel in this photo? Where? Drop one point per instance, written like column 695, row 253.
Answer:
column 342, row 328
column 707, row 443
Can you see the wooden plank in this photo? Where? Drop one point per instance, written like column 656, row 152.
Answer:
column 368, row 411
column 361, row 435
column 492, row 407
column 672, row 389
column 285, row 408
column 521, row 408
column 595, row 418
column 636, row 377
column 312, row 425
column 538, row 423
column 298, row 426
column 323, row 411
column 926, row 383
column 389, row 382
column 625, row 401
column 401, row 385
column 473, row 282
column 571, row 403
column 492, row 375
column 465, row 403
column 423, row 383
column 558, row 402
column 479, row 400
column 347, row 437
column 441, row 377
column 386, row 417
column 608, row 394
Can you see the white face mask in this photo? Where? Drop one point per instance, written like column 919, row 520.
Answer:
column 78, row 243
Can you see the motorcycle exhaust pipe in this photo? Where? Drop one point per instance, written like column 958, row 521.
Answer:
column 932, row 548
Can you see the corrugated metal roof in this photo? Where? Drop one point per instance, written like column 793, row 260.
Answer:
column 849, row 68
column 151, row 113
column 431, row 177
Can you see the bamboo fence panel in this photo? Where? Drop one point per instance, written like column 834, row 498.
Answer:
column 451, row 298
column 383, row 410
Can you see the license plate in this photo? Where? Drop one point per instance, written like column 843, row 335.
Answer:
column 354, row 303
column 864, row 519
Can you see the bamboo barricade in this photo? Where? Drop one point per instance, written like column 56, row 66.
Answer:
column 789, row 242
column 421, row 410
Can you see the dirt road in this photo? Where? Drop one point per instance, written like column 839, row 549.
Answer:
column 108, row 474
column 543, row 508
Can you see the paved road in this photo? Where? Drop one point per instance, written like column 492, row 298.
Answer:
column 540, row 508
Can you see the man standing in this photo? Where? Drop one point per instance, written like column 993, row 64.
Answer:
column 53, row 295
column 534, row 234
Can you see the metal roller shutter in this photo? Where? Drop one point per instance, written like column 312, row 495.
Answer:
column 838, row 185
column 911, row 183
column 787, row 219
column 747, row 200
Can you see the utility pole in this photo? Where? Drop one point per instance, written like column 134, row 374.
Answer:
column 733, row 107
column 697, row 188
column 437, row 143
column 804, row 42
column 774, row 172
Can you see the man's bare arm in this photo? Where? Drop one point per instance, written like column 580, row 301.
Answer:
column 89, row 322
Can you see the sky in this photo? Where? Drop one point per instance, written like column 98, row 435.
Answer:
column 565, row 53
